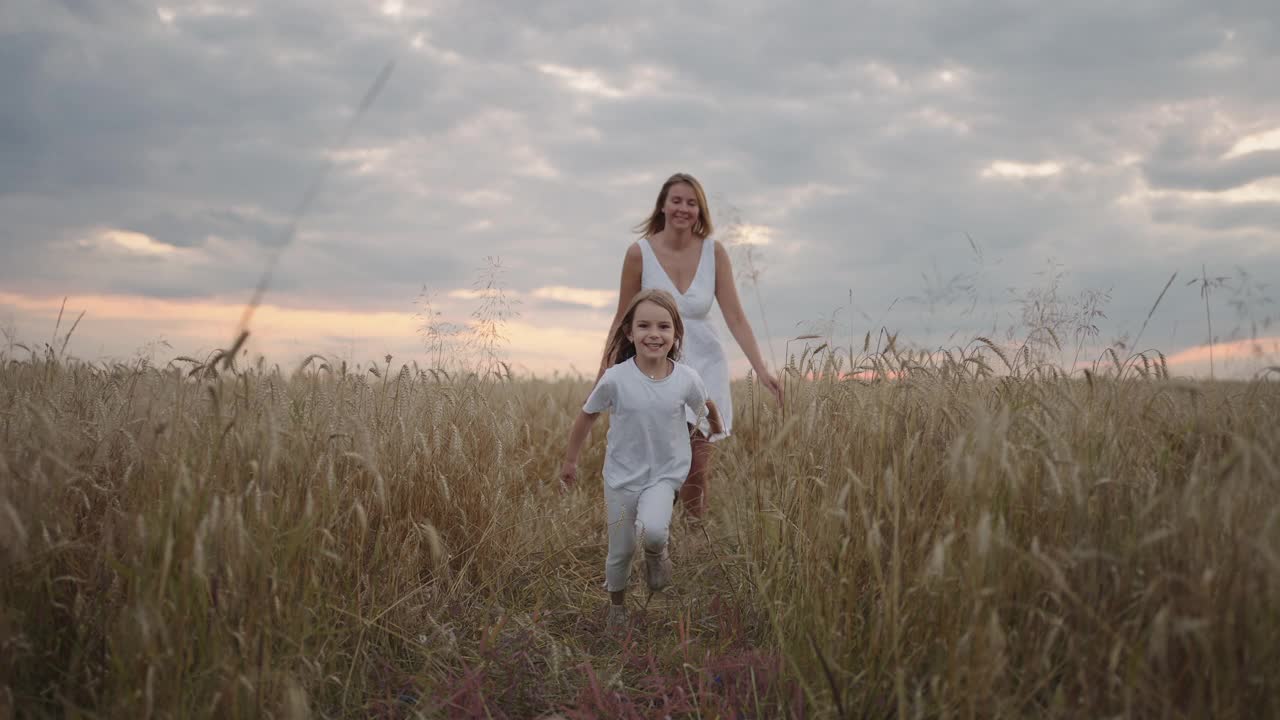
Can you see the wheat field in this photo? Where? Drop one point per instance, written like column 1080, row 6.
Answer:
column 930, row 536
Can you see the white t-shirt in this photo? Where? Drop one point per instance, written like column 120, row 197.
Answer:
column 648, row 437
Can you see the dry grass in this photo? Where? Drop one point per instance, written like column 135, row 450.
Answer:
column 195, row 542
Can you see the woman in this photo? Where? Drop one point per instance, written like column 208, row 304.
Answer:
column 676, row 253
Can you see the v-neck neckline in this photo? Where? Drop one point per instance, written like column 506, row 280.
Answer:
column 698, row 268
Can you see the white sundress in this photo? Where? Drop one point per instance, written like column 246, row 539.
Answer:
column 702, row 350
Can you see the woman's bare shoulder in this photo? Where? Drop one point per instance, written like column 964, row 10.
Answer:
column 633, row 260
column 721, row 251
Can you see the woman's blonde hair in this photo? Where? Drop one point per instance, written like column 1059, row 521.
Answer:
column 656, row 220
column 623, row 348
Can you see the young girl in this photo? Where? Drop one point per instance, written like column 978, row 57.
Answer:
column 648, row 455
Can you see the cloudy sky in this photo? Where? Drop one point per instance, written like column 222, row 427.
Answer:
column 931, row 168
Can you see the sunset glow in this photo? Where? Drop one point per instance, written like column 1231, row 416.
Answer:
column 1230, row 358
column 123, row 326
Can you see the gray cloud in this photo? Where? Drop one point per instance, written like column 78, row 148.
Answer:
column 1201, row 173
column 540, row 131
column 166, row 227
column 1260, row 216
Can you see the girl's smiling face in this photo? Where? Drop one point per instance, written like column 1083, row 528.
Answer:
column 681, row 207
column 652, row 331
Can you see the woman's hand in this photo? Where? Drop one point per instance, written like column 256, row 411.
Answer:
column 771, row 384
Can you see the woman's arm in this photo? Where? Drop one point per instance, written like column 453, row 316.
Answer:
column 577, row 436
column 736, row 320
column 632, row 266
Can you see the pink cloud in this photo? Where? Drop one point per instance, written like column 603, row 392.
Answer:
column 1234, row 358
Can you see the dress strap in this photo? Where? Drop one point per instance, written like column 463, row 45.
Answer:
column 706, row 274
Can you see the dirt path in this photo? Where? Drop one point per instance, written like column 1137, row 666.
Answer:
column 698, row 648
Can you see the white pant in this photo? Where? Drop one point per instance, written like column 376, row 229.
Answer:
column 651, row 510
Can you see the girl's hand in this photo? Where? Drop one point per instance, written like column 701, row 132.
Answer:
column 716, row 426
column 568, row 474
column 713, row 418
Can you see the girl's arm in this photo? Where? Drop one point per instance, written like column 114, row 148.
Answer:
column 577, row 436
column 632, row 266
column 736, row 320
column 714, row 419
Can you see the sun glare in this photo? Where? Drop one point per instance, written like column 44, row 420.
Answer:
column 577, row 296
column 132, row 242
column 582, row 81
column 753, row 235
column 1016, row 170
column 1269, row 140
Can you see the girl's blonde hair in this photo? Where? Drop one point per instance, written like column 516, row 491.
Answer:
column 656, row 220
column 623, row 348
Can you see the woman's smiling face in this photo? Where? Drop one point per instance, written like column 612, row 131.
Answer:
column 681, row 207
